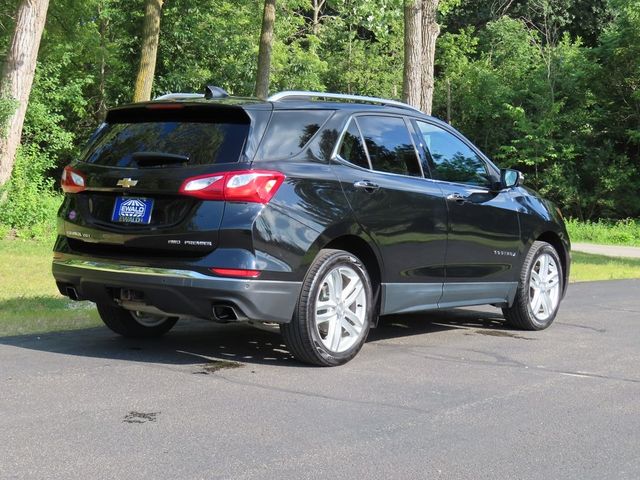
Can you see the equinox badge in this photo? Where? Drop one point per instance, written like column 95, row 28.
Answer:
column 127, row 183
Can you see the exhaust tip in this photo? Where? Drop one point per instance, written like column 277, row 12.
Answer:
column 72, row 293
column 224, row 313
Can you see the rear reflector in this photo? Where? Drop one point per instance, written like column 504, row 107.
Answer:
column 72, row 181
column 258, row 186
column 236, row 272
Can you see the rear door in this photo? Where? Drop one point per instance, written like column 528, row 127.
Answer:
column 403, row 212
column 134, row 167
column 483, row 248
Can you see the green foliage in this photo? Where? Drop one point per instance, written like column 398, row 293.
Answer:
column 7, row 108
column 622, row 232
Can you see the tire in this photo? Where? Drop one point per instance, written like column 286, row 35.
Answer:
column 540, row 288
column 135, row 324
column 323, row 331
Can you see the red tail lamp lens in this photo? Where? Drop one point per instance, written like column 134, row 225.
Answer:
column 257, row 186
column 72, row 181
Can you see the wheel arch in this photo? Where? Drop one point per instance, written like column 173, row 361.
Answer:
column 365, row 252
column 555, row 241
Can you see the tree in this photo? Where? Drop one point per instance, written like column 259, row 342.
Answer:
column 430, row 32
column 421, row 31
column 411, row 85
column 264, row 54
column 149, row 53
column 17, row 77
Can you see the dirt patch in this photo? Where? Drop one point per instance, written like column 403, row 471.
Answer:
column 215, row 365
column 140, row 417
column 500, row 333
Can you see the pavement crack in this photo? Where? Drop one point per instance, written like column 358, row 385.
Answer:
column 575, row 325
column 502, row 361
column 324, row 397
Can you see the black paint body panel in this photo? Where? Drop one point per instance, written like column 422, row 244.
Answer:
column 415, row 235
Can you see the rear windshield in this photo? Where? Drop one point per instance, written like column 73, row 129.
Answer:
column 121, row 144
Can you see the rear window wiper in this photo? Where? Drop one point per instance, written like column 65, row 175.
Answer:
column 157, row 159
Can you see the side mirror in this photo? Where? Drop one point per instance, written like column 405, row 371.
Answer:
column 511, row 178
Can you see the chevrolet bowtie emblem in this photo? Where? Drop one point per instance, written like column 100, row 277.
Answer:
column 127, row 183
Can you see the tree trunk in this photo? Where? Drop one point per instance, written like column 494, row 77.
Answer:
column 17, row 76
column 430, row 32
column 316, row 6
column 150, row 39
column 411, row 91
column 264, row 53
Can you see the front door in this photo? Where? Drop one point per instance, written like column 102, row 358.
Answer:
column 484, row 251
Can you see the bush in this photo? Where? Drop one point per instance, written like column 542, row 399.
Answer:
column 622, row 232
column 29, row 202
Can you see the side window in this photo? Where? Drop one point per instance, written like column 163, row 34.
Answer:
column 389, row 145
column 289, row 132
column 451, row 159
column 351, row 149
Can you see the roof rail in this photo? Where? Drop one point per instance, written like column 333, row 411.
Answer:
column 340, row 96
column 179, row 96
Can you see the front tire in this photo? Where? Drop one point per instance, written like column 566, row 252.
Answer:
column 539, row 291
column 135, row 324
column 333, row 315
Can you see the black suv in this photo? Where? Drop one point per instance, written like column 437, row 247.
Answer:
column 319, row 212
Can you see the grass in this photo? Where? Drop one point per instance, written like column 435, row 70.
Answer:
column 622, row 232
column 30, row 302
column 29, row 299
column 586, row 267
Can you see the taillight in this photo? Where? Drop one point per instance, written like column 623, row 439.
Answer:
column 72, row 181
column 258, row 186
column 236, row 272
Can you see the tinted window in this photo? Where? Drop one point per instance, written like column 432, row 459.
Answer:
column 351, row 149
column 290, row 131
column 203, row 143
column 389, row 145
column 451, row 159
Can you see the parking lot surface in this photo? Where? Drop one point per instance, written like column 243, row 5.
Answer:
column 441, row 395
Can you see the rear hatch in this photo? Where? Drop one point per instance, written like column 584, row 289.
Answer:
column 133, row 169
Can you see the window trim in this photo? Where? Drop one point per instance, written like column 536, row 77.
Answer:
column 362, row 144
column 259, row 147
column 354, row 118
column 492, row 169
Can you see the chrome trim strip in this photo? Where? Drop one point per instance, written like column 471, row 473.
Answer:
column 153, row 271
column 340, row 96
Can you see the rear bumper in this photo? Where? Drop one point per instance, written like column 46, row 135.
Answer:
column 179, row 292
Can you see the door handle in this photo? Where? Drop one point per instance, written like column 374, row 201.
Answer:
column 367, row 185
column 456, row 197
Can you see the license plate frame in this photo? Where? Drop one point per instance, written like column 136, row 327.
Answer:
column 132, row 210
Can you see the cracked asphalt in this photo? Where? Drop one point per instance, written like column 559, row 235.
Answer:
column 442, row 395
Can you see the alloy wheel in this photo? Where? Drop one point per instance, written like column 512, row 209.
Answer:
column 340, row 309
column 544, row 287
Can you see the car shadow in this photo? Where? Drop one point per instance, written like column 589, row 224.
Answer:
column 200, row 343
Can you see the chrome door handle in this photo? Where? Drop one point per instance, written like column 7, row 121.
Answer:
column 456, row 197
column 366, row 185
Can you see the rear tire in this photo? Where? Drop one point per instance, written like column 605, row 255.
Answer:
column 539, row 291
column 135, row 324
column 333, row 315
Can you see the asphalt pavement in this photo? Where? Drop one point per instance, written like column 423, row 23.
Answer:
column 443, row 395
